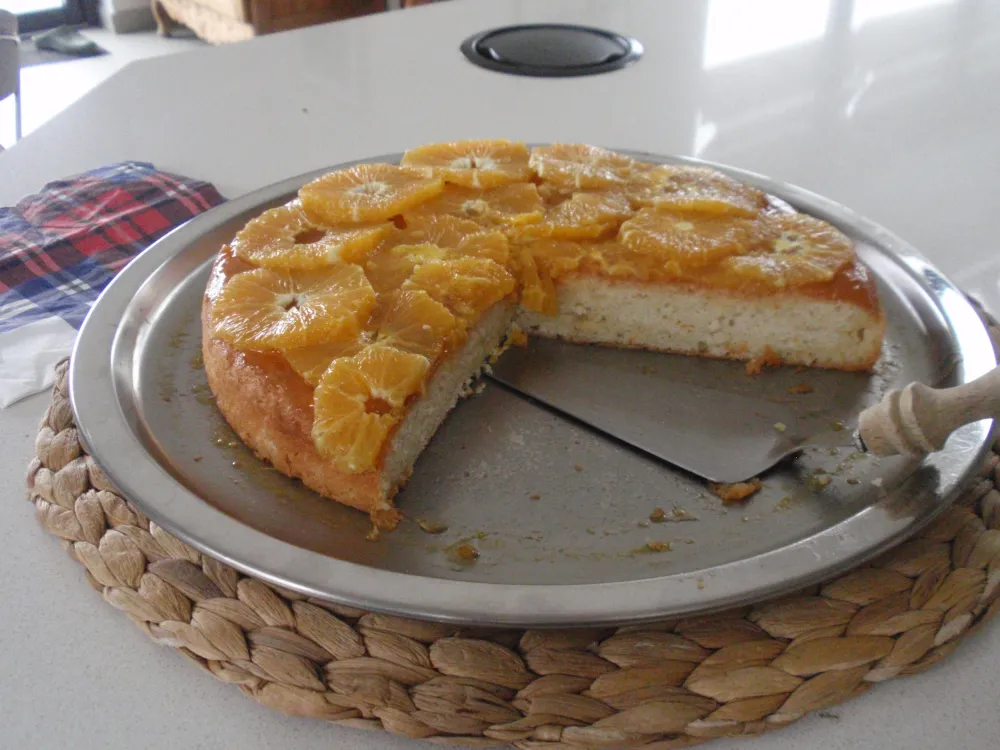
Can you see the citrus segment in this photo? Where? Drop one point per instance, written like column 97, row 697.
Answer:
column 286, row 237
column 466, row 286
column 490, row 245
column 389, row 266
column 695, row 190
column 358, row 401
column 311, row 362
column 584, row 216
column 367, row 193
column 515, row 204
column 804, row 251
column 538, row 293
column 690, row 242
column 475, row 164
column 443, row 231
column 613, row 259
column 558, row 258
column 343, row 432
column 412, row 321
column 579, row 167
column 268, row 309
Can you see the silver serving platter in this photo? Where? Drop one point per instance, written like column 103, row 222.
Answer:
column 559, row 514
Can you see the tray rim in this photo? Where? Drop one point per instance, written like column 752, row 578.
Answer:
column 95, row 375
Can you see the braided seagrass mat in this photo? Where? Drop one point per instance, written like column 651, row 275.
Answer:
column 671, row 684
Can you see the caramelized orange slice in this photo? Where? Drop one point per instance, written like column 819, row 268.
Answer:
column 459, row 237
column 560, row 257
column 359, row 400
column 389, row 266
column 412, row 321
column 443, row 231
column 698, row 190
column 581, row 167
column 804, row 251
column 491, row 245
column 475, row 164
column 266, row 309
column 583, row 216
column 690, row 242
column 515, row 204
column 286, row 237
column 367, row 193
column 466, row 286
column 311, row 361
column 538, row 293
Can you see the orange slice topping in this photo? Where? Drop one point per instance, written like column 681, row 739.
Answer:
column 367, row 193
column 804, row 251
column 557, row 258
column 475, row 164
column 389, row 266
column 466, row 286
column 311, row 361
column 285, row 237
column 580, row 167
column 443, row 231
column 267, row 309
column 583, row 216
column 459, row 237
column 697, row 190
column 359, row 400
column 684, row 242
column 413, row 321
column 538, row 293
column 514, row 204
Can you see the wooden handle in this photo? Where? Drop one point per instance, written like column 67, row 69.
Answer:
column 919, row 419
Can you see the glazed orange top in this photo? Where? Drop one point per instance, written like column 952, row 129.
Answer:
column 374, row 274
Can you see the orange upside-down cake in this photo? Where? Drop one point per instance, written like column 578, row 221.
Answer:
column 341, row 328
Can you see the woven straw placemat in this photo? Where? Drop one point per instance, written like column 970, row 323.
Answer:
column 666, row 685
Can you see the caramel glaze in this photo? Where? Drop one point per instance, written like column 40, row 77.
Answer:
column 853, row 285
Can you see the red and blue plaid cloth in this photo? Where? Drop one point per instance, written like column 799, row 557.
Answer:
column 60, row 247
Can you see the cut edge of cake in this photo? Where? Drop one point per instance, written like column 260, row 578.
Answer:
column 452, row 379
column 785, row 327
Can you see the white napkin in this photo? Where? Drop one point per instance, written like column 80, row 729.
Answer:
column 28, row 356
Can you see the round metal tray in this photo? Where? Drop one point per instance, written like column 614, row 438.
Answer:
column 558, row 513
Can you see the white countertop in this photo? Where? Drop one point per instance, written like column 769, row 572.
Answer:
column 890, row 106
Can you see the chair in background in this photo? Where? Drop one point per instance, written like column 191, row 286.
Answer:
column 10, row 65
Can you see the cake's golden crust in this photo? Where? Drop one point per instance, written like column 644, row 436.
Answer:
column 271, row 408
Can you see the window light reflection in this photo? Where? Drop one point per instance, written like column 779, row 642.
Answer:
column 736, row 29
column 872, row 10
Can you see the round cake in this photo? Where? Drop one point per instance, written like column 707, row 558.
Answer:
column 341, row 328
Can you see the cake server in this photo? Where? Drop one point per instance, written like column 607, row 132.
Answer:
column 713, row 419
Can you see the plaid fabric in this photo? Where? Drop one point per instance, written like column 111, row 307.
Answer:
column 60, row 247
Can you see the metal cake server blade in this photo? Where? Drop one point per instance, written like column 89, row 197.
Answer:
column 709, row 418
column 693, row 413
